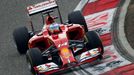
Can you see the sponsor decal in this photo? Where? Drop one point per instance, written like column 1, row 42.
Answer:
column 112, row 64
column 41, row 6
column 99, row 68
column 65, row 52
column 84, row 55
column 64, row 44
column 47, row 67
column 89, row 54
column 103, row 30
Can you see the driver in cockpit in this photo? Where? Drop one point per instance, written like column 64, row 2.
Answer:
column 51, row 25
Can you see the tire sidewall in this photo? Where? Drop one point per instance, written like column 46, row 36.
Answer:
column 76, row 17
column 94, row 41
column 34, row 58
column 21, row 38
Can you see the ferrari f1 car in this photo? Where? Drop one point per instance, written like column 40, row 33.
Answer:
column 58, row 46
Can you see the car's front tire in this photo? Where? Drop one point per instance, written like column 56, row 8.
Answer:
column 34, row 58
column 21, row 38
column 93, row 41
column 76, row 17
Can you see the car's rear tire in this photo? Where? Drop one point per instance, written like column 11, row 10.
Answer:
column 93, row 41
column 21, row 38
column 34, row 58
column 76, row 17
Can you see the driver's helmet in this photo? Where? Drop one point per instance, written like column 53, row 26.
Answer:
column 54, row 28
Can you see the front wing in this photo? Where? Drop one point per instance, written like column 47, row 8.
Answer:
column 85, row 57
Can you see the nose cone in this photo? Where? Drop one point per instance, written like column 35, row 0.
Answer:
column 66, row 56
column 66, row 53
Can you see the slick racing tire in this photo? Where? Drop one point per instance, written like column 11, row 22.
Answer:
column 21, row 38
column 93, row 41
column 34, row 58
column 76, row 17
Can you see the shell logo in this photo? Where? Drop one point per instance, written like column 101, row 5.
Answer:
column 65, row 52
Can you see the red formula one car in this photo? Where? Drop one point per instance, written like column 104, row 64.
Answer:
column 58, row 46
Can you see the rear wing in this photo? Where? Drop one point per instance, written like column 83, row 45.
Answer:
column 41, row 7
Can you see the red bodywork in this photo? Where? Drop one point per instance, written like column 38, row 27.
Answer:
column 45, row 39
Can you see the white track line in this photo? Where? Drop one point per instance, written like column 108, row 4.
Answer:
column 81, row 5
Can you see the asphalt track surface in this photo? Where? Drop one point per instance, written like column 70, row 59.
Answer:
column 13, row 15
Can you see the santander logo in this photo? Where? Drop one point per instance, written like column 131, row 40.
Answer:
column 40, row 4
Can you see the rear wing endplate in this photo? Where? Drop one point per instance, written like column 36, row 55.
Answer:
column 40, row 7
